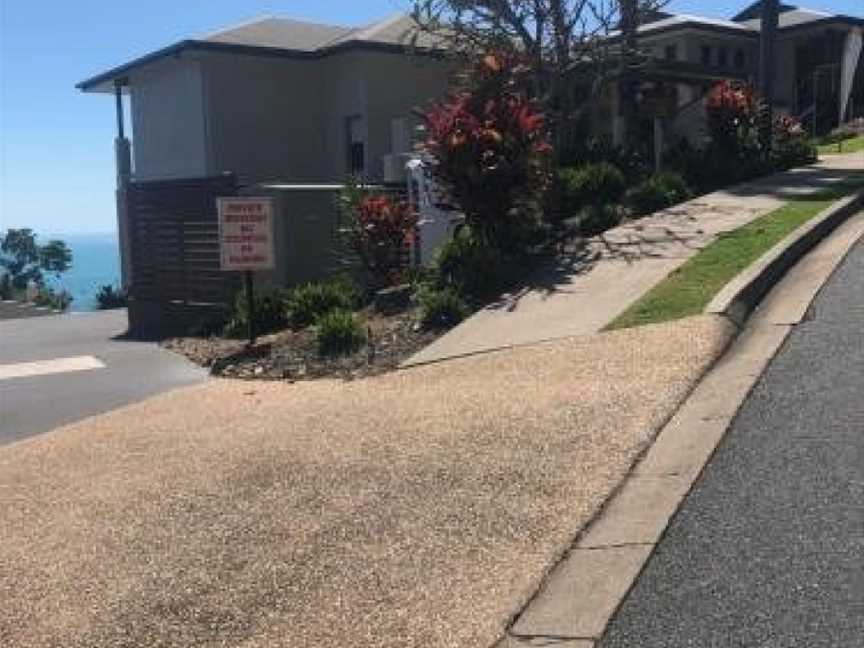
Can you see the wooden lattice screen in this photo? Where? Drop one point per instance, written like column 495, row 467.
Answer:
column 174, row 245
column 174, row 249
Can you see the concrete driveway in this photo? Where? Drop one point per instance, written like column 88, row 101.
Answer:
column 58, row 369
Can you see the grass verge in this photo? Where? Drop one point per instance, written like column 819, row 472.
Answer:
column 688, row 289
column 852, row 145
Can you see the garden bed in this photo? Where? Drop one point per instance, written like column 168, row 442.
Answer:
column 293, row 355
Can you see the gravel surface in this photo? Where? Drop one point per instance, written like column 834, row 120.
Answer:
column 418, row 508
column 768, row 549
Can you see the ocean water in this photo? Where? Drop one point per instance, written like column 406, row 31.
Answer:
column 95, row 263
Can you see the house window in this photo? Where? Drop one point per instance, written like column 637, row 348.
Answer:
column 356, row 153
column 739, row 59
column 722, row 57
column 706, row 55
column 671, row 52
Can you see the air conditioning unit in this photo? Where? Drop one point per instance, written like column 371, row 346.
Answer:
column 394, row 167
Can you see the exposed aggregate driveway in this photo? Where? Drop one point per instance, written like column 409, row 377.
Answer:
column 419, row 508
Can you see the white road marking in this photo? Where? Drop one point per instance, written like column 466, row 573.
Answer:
column 46, row 367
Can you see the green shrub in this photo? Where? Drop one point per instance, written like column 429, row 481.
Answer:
column 109, row 297
column 270, row 313
column 441, row 308
column 591, row 184
column 472, row 268
column 310, row 301
column 659, row 191
column 599, row 218
column 58, row 301
column 836, row 136
column 791, row 153
column 339, row 333
column 589, row 149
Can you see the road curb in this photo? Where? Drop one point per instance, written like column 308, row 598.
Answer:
column 741, row 295
column 580, row 595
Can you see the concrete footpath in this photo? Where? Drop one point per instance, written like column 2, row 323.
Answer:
column 588, row 288
column 767, row 548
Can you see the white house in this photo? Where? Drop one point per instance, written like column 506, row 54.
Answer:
column 818, row 76
column 277, row 99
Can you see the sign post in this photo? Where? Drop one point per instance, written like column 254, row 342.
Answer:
column 246, row 243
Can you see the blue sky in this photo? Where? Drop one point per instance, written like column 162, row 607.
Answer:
column 56, row 151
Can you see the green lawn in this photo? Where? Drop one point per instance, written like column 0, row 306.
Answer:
column 852, row 145
column 688, row 289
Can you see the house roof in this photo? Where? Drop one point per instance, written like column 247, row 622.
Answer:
column 276, row 36
column 281, row 33
column 685, row 19
column 288, row 34
column 747, row 22
column 675, row 22
column 792, row 17
column 755, row 9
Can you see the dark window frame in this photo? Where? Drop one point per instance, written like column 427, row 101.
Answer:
column 355, row 150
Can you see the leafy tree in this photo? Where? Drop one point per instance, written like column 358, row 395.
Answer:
column 19, row 256
column 55, row 257
column 24, row 260
column 555, row 37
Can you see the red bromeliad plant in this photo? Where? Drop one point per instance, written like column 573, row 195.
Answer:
column 732, row 112
column 489, row 149
column 383, row 230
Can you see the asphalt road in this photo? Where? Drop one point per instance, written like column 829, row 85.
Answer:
column 132, row 371
column 768, row 549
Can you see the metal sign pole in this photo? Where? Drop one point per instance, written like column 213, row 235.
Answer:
column 250, row 307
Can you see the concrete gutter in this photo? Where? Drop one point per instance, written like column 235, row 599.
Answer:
column 578, row 598
column 741, row 295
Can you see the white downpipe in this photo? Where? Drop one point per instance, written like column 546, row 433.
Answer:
column 851, row 54
column 437, row 223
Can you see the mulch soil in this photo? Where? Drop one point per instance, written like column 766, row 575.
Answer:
column 293, row 355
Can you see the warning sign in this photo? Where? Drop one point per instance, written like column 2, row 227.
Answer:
column 246, row 233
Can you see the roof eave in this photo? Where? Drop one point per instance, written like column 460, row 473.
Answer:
column 106, row 81
column 850, row 21
column 120, row 73
column 690, row 24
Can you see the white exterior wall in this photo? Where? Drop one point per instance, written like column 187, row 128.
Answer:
column 395, row 86
column 168, row 120
column 264, row 117
column 274, row 118
column 343, row 95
